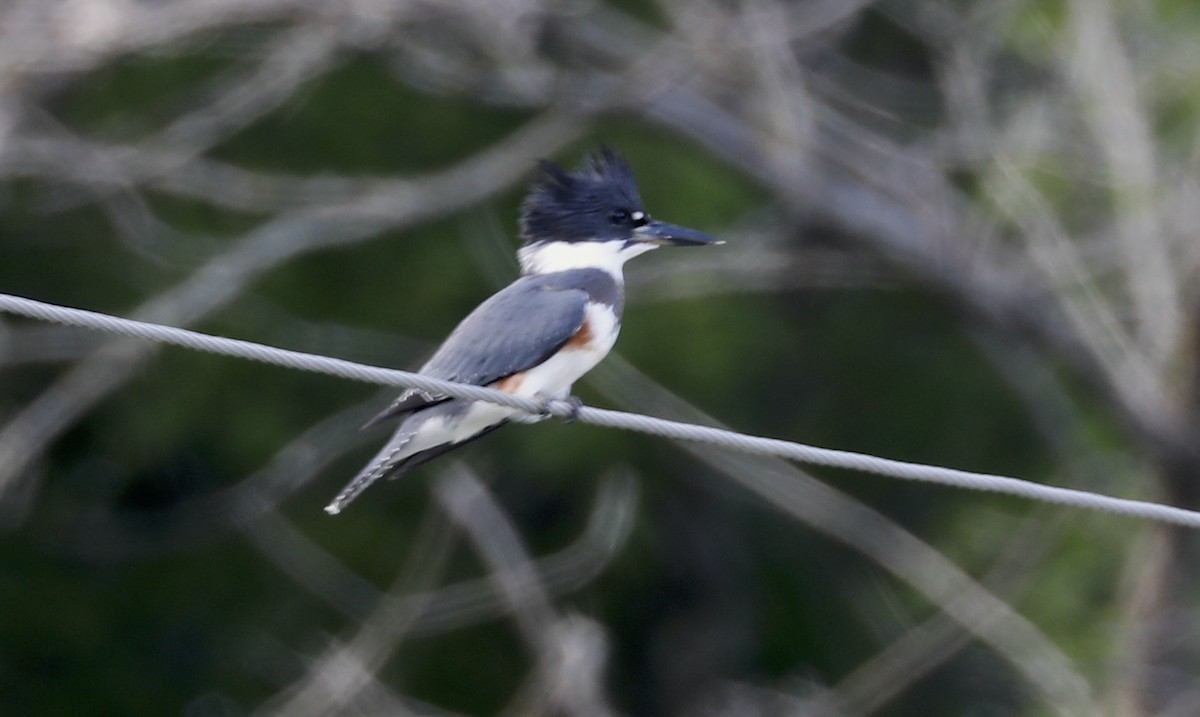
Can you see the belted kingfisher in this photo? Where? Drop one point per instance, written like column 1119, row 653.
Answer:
column 542, row 332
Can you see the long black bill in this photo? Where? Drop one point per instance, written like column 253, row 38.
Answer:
column 662, row 233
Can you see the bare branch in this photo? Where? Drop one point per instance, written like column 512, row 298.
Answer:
column 402, row 203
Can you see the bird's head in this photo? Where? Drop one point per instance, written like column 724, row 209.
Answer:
column 592, row 218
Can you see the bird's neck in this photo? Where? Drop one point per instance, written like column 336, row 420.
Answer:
column 548, row 257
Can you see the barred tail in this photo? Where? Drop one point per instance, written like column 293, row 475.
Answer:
column 390, row 463
column 387, row 460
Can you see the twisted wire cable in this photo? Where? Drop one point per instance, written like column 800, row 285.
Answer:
column 571, row 410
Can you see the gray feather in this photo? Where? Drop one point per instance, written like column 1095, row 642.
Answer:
column 516, row 329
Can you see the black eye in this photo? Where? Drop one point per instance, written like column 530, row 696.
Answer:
column 619, row 216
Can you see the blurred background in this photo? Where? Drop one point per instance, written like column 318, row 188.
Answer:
column 959, row 233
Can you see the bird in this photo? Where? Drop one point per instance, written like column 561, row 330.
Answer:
column 545, row 330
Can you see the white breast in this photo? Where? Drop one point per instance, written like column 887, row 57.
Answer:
column 555, row 375
column 550, row 379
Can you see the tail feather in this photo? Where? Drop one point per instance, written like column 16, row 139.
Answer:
column 408, row 402
column 422, row 457
column 385, row 461
column 391, row 464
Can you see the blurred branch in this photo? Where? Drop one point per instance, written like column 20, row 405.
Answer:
column 413, row 607
column 560, row 573
column 1026, row 649
column 295, row 58
column 926, row 646
column 770, row 259
column 895, row 200
column 464, row 603
column 188, row 523
column 109, row 167
column 1104, row 78
column 43, row 344
column 400, row 204
column 571, row 651
column 931, row 643
column 333, row 682
column 47, row 38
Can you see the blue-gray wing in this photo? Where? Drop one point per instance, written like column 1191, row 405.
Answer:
column 516, row 329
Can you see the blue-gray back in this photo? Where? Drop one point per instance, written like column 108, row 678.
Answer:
column 514, row 330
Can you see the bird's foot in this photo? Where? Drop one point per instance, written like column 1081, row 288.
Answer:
column 551, row 407
column 574, row 405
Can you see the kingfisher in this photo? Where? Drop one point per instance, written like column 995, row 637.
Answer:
column 538, row 335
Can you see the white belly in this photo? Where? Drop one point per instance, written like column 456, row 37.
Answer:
column 555, row 375
column 552, row 378
column 479, row 416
